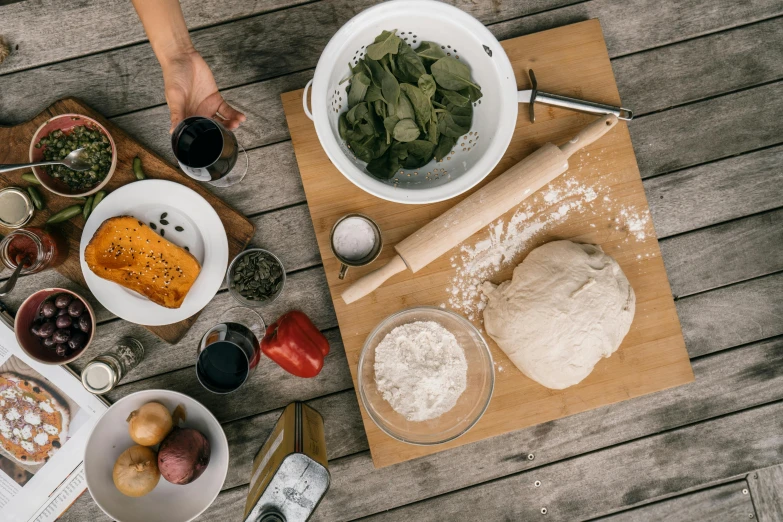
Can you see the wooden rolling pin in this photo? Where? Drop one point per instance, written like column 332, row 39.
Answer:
column 479, row 209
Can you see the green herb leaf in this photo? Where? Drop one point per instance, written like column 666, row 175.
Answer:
column 404, row 109
column 342, row 125
column 427, row 85
column 381, row 77
column 389, row 124
column 472, row 92
column 452, row 74
column 409, row 65
column 419, row 153
column 421, row 104
column 384, row 167
column 433, row 133
column 455, row 122
column 385, row 43
column 430, row 51
column 406, row 130
column 374, row 94
column 454, row 98
column 359, row 85
column 445, row 144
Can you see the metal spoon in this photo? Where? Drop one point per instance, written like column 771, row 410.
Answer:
column 11, row 282
column 76, row 160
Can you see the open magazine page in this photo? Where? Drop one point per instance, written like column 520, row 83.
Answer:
column 46, row 416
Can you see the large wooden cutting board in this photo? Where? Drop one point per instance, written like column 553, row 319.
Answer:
column 15, row 144
column 573, row 61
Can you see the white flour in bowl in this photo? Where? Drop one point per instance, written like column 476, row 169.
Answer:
column 420, row 370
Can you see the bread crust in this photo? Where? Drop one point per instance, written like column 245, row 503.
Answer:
column 128, row 252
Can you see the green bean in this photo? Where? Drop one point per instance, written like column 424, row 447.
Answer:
column 98, row 198
column 36, row 197
column 137, row 168
column 30, row 178
column 88, row 207
column 65, row 214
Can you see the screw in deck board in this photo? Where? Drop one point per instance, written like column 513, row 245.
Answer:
column 745, row 491
column 537, row 483
column 530, row 456
column 543, row 511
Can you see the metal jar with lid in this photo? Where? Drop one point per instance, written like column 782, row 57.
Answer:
column 16, row 208
column 104, row 372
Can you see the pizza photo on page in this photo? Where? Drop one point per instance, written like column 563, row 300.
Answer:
column 35, row 420
column 130, row 253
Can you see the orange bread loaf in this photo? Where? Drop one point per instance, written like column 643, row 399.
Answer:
column 131, row 254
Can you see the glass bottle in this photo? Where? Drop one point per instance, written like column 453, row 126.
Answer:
column 42, row 248
column 104, row 372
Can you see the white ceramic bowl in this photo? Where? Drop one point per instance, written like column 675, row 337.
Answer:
column 470, row 406
column 167, row 502
column 462, row 36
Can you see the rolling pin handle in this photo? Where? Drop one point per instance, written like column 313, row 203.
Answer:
column 589, row 134
column 367, row 284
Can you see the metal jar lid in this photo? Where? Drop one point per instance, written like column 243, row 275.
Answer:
column 99, row 377
column 17, row 207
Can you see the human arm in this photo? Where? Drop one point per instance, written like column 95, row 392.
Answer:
column 190, row 88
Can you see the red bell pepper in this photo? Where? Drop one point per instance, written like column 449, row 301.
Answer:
column 295, row 344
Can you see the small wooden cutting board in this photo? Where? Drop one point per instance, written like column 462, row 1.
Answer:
column 16, row 144
column 599, row 200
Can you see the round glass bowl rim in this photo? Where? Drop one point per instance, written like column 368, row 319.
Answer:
column 483, row 346
column 237, row 297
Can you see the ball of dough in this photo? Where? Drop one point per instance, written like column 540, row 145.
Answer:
column 566, row 306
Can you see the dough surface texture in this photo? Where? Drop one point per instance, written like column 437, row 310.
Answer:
column 566, row 307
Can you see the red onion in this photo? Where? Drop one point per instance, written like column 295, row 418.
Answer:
column 183, row 455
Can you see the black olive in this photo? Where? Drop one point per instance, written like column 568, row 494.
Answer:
column 77, row 340
column 63, row 300
column 61, row 336
column 64, row 321
column 47, row 329
column 85, row 323
column 62, row 311
column 35, row 328
column 62, row 350
column 48, row 342
column 76, row 308
column 48, row 309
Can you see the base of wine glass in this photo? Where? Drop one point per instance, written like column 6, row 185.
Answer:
column 236, row 175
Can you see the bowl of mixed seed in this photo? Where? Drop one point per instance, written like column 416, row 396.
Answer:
column 61, row 135
column 255, row 277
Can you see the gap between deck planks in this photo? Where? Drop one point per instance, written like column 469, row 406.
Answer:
column 718, row 376
column 265, row 37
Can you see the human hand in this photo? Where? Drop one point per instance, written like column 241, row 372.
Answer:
column 191, row 90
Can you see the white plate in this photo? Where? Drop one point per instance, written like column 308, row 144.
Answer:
column 167, row 502
column 203, row 234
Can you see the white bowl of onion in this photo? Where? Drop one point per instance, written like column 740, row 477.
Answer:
column 127, row 485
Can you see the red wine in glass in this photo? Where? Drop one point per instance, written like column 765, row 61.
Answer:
column 229, row 351
column 207, row 151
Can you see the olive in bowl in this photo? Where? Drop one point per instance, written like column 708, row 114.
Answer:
column 54, row 326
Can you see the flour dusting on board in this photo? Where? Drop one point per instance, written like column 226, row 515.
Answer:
column 480, row 261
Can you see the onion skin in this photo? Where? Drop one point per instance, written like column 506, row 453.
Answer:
column 183, row 456
column 150, row 424
column 136, row 471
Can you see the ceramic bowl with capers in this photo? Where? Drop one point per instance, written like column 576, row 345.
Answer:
column 255, row 277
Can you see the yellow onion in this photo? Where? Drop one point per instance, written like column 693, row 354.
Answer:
column 136, row 471
column 150, row 424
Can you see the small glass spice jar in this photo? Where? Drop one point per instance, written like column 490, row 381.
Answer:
column 104, row 372
column 37, row 248
column 16, row 207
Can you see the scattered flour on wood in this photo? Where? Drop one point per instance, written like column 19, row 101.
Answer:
column 420, row 370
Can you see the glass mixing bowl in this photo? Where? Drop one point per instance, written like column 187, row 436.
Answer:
column 470, row 405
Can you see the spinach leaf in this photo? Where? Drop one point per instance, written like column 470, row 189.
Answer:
column 419, row 153
column 404, row 109
column 359, row 85
column 454, row 98
column 385, row 43
column 427, row 85
column 389, row 124
column 452, row 74
column 385, row 166
column 381, row 77
column 409, row 65
column 421, row 104
column 472, row 93
column 456, row 121
column 430, row 51
column 373, row 94
column 342, row 125
column 433, row 133
column 443, row 149
column 406, row 130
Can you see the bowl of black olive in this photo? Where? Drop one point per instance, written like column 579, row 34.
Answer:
column 54, row 325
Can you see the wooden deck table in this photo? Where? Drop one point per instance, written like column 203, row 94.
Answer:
column 705, row 79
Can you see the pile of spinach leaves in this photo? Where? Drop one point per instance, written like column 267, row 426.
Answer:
column 405, row 105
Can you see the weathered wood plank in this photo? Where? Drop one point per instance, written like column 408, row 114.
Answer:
column 719, row 191
column 708, row 130
column 621, row 476
column 726, row 382
column 274, row 50
column 733, row 315
column 88, row 27
column 724, row 503
column 724, row 254
column 303, row 291
column 766, row 488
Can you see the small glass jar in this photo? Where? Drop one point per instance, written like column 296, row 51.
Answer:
column 104, row 372
column 42, row 248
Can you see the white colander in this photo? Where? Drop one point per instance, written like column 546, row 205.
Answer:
column 461, row 36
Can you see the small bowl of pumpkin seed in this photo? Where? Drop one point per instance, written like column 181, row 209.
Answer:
column 255, row 277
